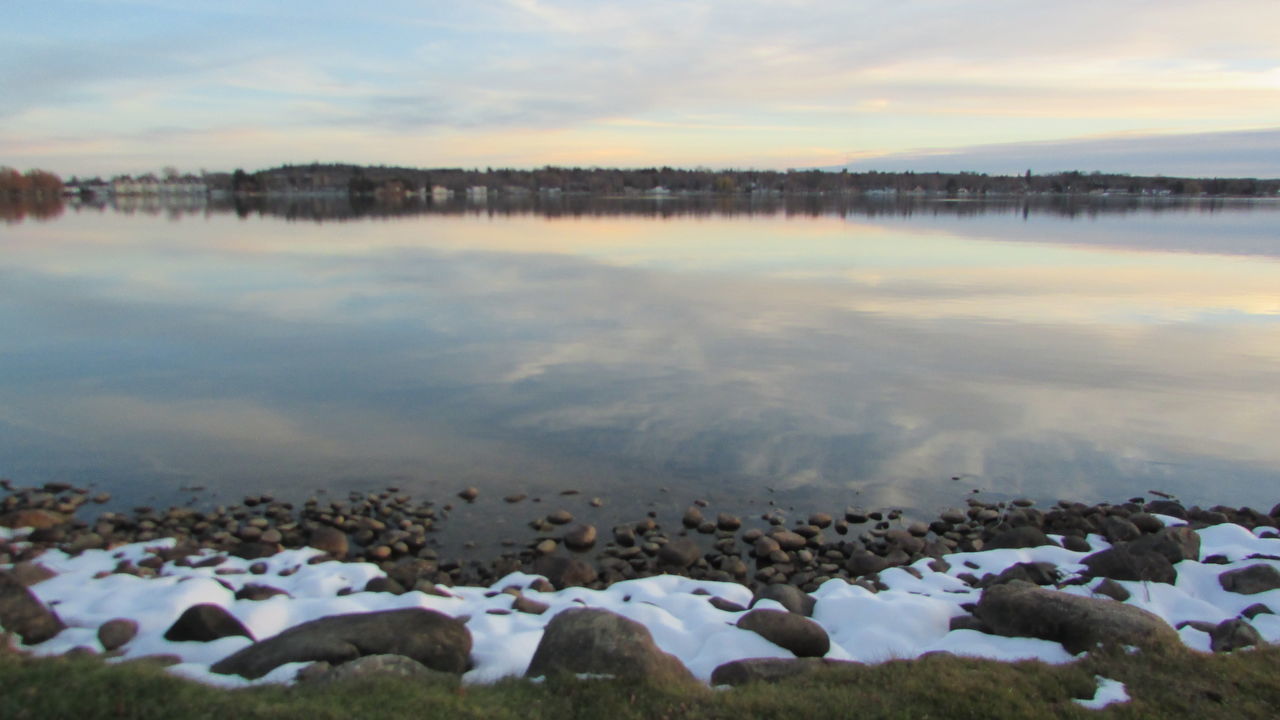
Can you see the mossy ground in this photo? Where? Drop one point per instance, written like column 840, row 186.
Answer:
column 1177, row 683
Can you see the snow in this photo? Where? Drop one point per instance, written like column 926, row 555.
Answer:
column 1109, row 691
column 909, row 619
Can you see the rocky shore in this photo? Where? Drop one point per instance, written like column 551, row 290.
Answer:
column 265, row 591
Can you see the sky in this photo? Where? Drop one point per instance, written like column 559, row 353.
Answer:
column 1175, row 87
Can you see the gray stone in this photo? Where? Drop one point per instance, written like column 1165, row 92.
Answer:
column 113, row 634
column 1020, row 609
column 23, row 614
column 788, row 630
column 429, row 637
column 1233, row 634
column 789, row 596
column 204, row 623
column 1250, row 580
column 770, row 670
column 591, row 640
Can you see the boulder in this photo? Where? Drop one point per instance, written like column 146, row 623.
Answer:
column 788, row 630
column 1118, row 529
column 330, row 540
column 1250, row 580
column 581, row 538
column 1019, row 537
column 22, row 614
column 679, row 554
column 564, row 571
column 864, row 562
column 789, row 596
column 1020, row 609
column 591, row 640
column 769, row 670
column 113, row 634
column 1233, row 634
column 385, row 665
column 204, row 623
column 1126, row 562
column 429, row 637
column 1175, row 543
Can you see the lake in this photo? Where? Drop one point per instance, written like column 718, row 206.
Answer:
column 809, row 354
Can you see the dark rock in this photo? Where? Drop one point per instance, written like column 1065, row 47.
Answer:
column 377, row 666
column 33, row 518
column 725, row 521
column 820, row 519
column 29, row 573
column 564, row 572
column 560, row 517
column 1146, row 522
column 255, row 592
column 113, row 634
column 1233, row 634
column 1125, row 562
column 204, row 623
column 1171, row 508
column 1075, row 543
column 788, row 540
column 1019, row 537
column 967, row 622
column 1255, row 610
column 788, row 630
column 1036, row 573
column 1020, row 609
column 864, row 562
column 769, row 670
column 1112, row 589
column 720, row 603
column 1175, row 543
column 590, row 640
column 692, row 518
column 429, row 637
column 383, row 584
column 254, row 550
column 22, row 614
column 529, row 605
column 789, row 596
column 680, row 553
column 1117, row 529
column 1250, row 580
column 469, row 494
column 582, row 537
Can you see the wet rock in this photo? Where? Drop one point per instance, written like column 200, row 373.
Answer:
column 864, row 562
column 1019, row 537
column 560, row 517
column 582, row 537
column 514, row 498
column 692, row 518
column 1125, row 562
column 469, row 494
column 788, row 540
column 590, row 640
column 114, row 634
column 564, row 572
column 1020, row 609
column 789, row 596
column 769, row 670
column 204, row 623
column 680, row 553
column 727, row 522
column 820, row 520
column 1250, row 580
column 22, row 614
column 428, row 637
column 788, row 630
column 1233, row 634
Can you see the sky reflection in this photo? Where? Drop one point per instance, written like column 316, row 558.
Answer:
column 829, row 359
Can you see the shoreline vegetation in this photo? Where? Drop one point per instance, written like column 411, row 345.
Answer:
column 1066, row 574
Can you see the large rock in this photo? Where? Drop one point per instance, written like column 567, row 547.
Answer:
column 429, row 637
column 330, row 540
column 377, row 666
column 769, row 670
column 1025, row 536
column 113, row 634
column 23, row 614
column 1127, row 562
column 679, row 554
column 1020, row 609
column 1175, row 543
column 789, row 596
column 1233, row 634
column 1250, row 580
column 205, row 622
column 590, row 640
column 788, row 630
column 33, row 518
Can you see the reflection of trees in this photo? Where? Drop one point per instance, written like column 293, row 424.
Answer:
column 36, row 193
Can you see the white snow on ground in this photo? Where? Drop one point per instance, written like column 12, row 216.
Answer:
column 909, row 619
column 1109, row 691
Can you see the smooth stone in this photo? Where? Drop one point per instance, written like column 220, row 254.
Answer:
column 1020, row 609
column 24, row 615
column 591, row 640
column 788, row 630
column 1250, row 580
column 770, row 670
column 114, row 634
column 204, row 623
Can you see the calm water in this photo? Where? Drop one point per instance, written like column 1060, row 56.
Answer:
column 884, row 356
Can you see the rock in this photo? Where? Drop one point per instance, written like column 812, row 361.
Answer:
column 768, row 670
column 865, row 562
column 1255, row 610
column 514, row 498
column 789, row 596
column 1233, row 634
column 582, row 537
column 85, row 541
column 380, row 584
column 564, row 571
column 1250, row 580
column 720, row 603
column 1111, row 589
column 529, row 605
column 725, row 521
column 29, row 573
column 1020, row 609
column 1146, row 522
column 113, row 634
column 254, row 550
column 680, row 553
column 1175, row 543
column 560, row 517
column 1075, row 543
column 788, row 630
column 590, row 640
column 1036, row 573
column 384, row 665
column 22, row 614
column 765, row 546
column 469, row 494
column 33, row 518
column 429, row 637
column 967, row 622
column 1125, row 562
column 1117, row 529
column 692, row 517
column 820, row 519
column 788, row 540
column 1025, row 536
column 204, row 623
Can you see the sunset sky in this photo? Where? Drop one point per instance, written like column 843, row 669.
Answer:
column 1177, row 87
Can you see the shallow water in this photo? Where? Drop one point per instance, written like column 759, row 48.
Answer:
column 648, row 353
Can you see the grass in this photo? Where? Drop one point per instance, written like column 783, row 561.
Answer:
column 1175, row 683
